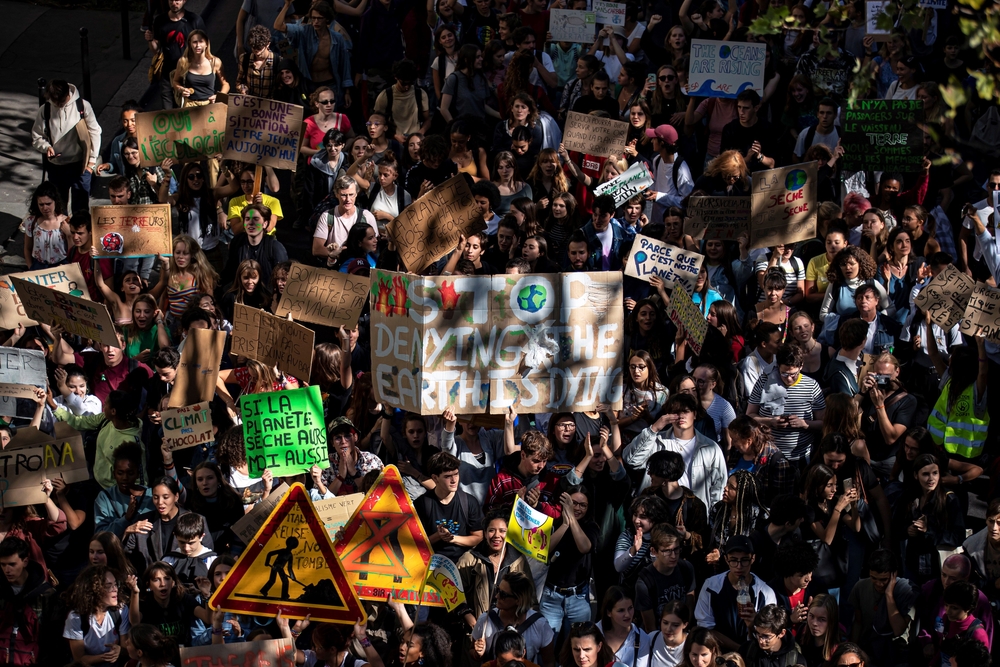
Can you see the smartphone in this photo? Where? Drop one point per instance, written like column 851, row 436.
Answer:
column 651, row 78
column 848, row 485
column 532, row 484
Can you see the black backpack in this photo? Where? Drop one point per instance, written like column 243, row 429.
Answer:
column 521, row 628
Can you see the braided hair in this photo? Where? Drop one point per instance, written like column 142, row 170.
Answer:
column 747, row 506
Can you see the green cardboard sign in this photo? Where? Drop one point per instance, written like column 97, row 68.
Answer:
column 284, row 431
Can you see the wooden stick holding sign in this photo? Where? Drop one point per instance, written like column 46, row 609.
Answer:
column 258, row 176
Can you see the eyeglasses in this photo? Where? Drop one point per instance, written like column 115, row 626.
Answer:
column 637, row 367
column 764, row 638
column 317, row 18
column 742, row 562
column 567, row 426
column 582, row 506
column 667, row 77
column 504, row 595
column 326, row 102
column 246, row 181
column 791, row 375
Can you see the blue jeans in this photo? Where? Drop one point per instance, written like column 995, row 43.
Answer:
column 560, row 610
column 141, row 265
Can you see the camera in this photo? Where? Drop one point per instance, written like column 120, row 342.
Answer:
column 881, row 379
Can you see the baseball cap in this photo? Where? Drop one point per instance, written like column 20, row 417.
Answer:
column 358, row 266
column 738, row 543
column 665, row 133
column 340, row 425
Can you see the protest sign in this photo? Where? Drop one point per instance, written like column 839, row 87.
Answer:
column 568, row 25
column 711, row 218
column 198, row 370
column 443, row 575
column 428, row 229
column 132, row 231
column 336, row 512
column 261, row 653
column 33, row 456
column 21, row 370
column 783, row 205
column 185, row 427
column 75, row 314
column 725, row 69
column 684, row 313
column 320, row 296
column 591, row 135
column 190, row 134
column 67, row 278
column 982, row 314
column 673, row 265
column 250, row 523
column 883, row 135
column 8, row 407
column 284, row 431
column 291, row 546
column 539, row 343
column 933, row 4
column 529, row 531
column 610, row 13
column 873, row 10
column 628, row 184
column 946, row 296
column 262, row 131
column 384, row 548
column 273, row 341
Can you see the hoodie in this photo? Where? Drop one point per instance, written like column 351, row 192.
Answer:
column 321, row 177
column 505, row 485
column 787, row 654
column 23, row 616
column 62, row 135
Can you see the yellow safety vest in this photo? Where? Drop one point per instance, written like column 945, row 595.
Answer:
column 958, row 430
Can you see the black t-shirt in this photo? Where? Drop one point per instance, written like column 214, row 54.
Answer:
column 588, row 103
column 478, row 29
column 172, row 36
column 898, row 410
column 653, row 590
column 567, row 566
column 461, row 517
column 174, row 621
column 737, row 137
column 419, row 173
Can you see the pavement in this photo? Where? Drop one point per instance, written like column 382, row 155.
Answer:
column 44, row 42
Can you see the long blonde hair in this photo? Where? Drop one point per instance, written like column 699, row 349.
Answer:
column 559, row 181
column 184, row 63
column 200, row 267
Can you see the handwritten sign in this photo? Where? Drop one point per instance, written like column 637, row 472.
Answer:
column 594, row 136
column 33, row 456
column 685, row 313
column 428, row 229
column 75, row 314
column 132, row 231
column 250, row 523
column 336, row 512
column 568, row 25
column 189, row 426
column 883, row 135
column 946, row 296
column 539, row 343
column 263, row 653
column 320, row 296
column 273, row 341
column 262, row 131
column 783, row 205
column 673, row 265
column 610, row 13
column 529, row 531
column 443, row 576
column 67, row 278
column 873, row 10
column 198, row 370
column 725, row 69
column 190, row 134
column 284, row 431
column 711, row 218
column 21, row 370
column 628, row 184
column 982, row 314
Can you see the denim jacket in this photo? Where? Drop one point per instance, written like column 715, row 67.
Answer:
column 619, row 235
column 303, row 38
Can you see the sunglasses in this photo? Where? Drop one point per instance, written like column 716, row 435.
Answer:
column 504, row 595
column 195, row 177
column 667, row 77
column 326, row 102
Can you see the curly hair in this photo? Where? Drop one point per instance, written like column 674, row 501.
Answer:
column 516, row 79
column 756, row 433
column 435, row 644
column 230, row 450
column 86, row 595
column 866, row 265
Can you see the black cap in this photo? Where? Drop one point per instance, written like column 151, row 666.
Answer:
column 738, row 543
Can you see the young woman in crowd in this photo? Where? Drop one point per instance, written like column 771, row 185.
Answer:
column 46, row 229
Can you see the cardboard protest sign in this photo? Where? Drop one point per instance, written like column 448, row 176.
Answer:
column 725, row 69
column 261, row 653
column 529, row 531
column 443, row 576
column 568, row 25
column 32, row 456
column 67, row 278
column 873, row 10
column 610, row 13
column 189, row 426
column 132, row 231
column 250, row 523
column 684, row 313
column 594, row 136
column 540, row 343
column 190, row 134
column 628, row 184
column 75, row 314
column 673, row 265
column 982, row 314
column 321, row 296
column 21, row 370
column 722, row 218
column 428, row 229
column 262, row 131
column 273, row 341
column 336, row 512
column 291, row 546
column 198, row 370
column 883, row 135
column 384, row 548
column 8, row 406
column 783, row 205
column 284, row 431
column 946, row 296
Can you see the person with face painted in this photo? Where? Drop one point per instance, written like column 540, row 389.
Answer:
column 266, row 250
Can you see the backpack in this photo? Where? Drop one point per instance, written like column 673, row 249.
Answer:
column 417, row 93
column 21, row 637
column 521, row 629
column 673, row 172
column 47, row 133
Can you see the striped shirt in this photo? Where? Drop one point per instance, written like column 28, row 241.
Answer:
column 803, row 399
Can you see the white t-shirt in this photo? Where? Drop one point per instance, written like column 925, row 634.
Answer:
column 100, row 634
column 662, row 655
column 612, row 65
column 606, row 238
column 537, row 637
column 334, row 228
column 829, row 140
column 449, row 67
column 388, row 203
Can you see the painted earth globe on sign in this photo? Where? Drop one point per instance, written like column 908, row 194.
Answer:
column 532, row 298
column 795, row 180
column 724, row 51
